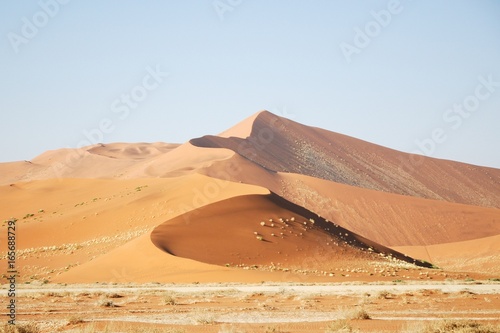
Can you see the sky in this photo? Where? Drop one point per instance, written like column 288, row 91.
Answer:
column 416, row 76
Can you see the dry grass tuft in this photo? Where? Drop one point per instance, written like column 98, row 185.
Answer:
column 357, row 314
column 75, row 320
column 273, row 329
column 204, row 318
column 169, row 300
column 106, row 303
column 340, row 326
column 384, row 294
column 456, row 326
column 20, row 328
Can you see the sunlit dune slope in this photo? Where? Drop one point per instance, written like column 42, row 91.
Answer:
column 114, row 161
column 478, row 255
column 63, row 224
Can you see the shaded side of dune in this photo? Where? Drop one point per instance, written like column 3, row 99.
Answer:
column 281, row 145
column 268, row 230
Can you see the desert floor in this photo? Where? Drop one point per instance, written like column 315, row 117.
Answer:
column 267, row 307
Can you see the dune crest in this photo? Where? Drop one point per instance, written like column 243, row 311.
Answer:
column 189, row 210
column 280, row 145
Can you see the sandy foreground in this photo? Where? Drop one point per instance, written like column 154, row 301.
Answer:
column 265, row 307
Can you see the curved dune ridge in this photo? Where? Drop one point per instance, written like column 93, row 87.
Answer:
column 179, row 212
column 281, row 145
column 386, row 218
column 266, row 230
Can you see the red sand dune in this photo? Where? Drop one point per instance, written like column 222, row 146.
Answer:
column 264, row 230
column 392, row 219
column 281, row 145
column 477, row 255
column 82, row 227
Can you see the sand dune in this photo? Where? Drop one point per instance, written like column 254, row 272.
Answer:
column 115, row 161
column 67, row 223
column 386, row 218
column 392, row 219
column 265, row 230
column 243, row 129
column 477, row 255
column 182, row 212
column 146, row 263
column 281, row 145
column 137, row 151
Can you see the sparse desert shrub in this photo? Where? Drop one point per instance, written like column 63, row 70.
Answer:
column 357, row 314
column 106, row 303
column 155, row 330
column 456, row 326
column 466, row 294
column 339, row 326
column 169, row 300
column 75, row 320
column 384, row 294
column 204, row 319
column 20, row 328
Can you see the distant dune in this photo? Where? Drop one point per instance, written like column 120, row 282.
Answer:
column 209, row 210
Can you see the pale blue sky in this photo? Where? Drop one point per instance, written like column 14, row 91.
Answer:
column 226, row 63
